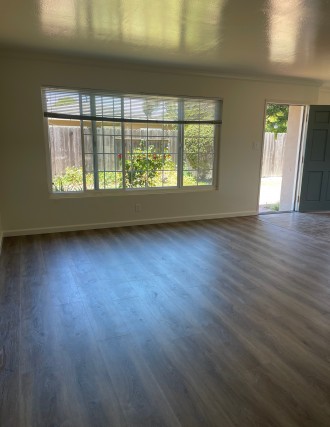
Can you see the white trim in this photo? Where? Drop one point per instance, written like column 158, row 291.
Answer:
column 132, row 192
column 1, row 239
column 301, row 159
column 113, row 224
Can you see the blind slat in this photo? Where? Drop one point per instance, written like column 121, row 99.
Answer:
column 76, row 104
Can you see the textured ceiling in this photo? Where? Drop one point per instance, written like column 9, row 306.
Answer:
column 287, row 38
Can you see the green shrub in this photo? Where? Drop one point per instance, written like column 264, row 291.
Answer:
column 147, row 168
column 72, row 180
column 142, row 165
column 274, row 206
column 198, row 144
column 277, row 118
column 142, row 169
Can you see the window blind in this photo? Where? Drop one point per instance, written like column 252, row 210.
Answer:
column 93, row 105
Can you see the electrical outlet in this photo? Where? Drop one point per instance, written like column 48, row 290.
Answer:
column 138, row 207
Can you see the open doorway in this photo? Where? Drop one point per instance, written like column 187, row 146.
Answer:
column 281, row 150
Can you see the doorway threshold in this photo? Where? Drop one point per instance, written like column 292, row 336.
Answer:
column 274, row 212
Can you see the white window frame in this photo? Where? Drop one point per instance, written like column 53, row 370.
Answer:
column 146, row 190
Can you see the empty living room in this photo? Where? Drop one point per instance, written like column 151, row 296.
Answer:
column 165, row 213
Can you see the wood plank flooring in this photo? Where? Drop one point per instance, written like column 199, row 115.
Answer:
column 314, row 224
column 220, row 323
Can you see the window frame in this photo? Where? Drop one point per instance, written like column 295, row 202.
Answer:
column 136, row 190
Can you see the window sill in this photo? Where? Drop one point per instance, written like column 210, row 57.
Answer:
column 133, row 192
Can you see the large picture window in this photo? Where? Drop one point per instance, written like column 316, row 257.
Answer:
column 100, row 141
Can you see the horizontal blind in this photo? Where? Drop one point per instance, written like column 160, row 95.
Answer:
column 76, row 104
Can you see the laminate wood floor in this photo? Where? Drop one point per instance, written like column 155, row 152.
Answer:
column 210, row 323
column 315, row 224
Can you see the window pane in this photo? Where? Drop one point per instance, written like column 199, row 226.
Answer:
column 66, row 156
column 207, row 178
column 199, row 109
column 88, row 142
column 151, row 108
column 189, row 178
column 108, row 155
column 99, row 140
column 62, row 101
column 151, row 155
column 111, row 173
column 155, row 154
column 89, row 169
column 112, row 180
column 198, row 155
column 108, row 106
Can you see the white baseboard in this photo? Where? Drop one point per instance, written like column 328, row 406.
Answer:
column 112, row 224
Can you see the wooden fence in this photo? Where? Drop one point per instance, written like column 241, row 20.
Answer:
column 65, row 148
column 65, row 145
column 273, row 154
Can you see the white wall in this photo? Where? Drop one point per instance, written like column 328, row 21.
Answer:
column 324, row 96
column 26, row 203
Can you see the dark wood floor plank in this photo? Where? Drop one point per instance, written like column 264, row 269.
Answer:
column 142, row 399
column 9, row 332
column 211, row 323
column 190, row 410
column 236, row 400
column 62, row 380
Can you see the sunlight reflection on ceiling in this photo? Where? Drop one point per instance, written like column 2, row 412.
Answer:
column 175, row 25
column 285, row 25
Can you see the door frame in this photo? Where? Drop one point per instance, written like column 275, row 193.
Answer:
column 302, row 146
column 300, row 167
column 324, row 186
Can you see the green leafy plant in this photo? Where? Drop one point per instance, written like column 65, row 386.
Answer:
column 198, row 139
column 277, row 118
column 67, row 100
column 273, row 206
column 198, row 143
column 72, row 180
column 143, row 167
column 189, row 179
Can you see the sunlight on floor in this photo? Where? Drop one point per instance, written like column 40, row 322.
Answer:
column 270, row 193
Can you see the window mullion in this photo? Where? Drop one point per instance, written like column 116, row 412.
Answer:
column 94, row 136
column 180, row 142
column 83, row 160
column 216, row 146
column 123, row 150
